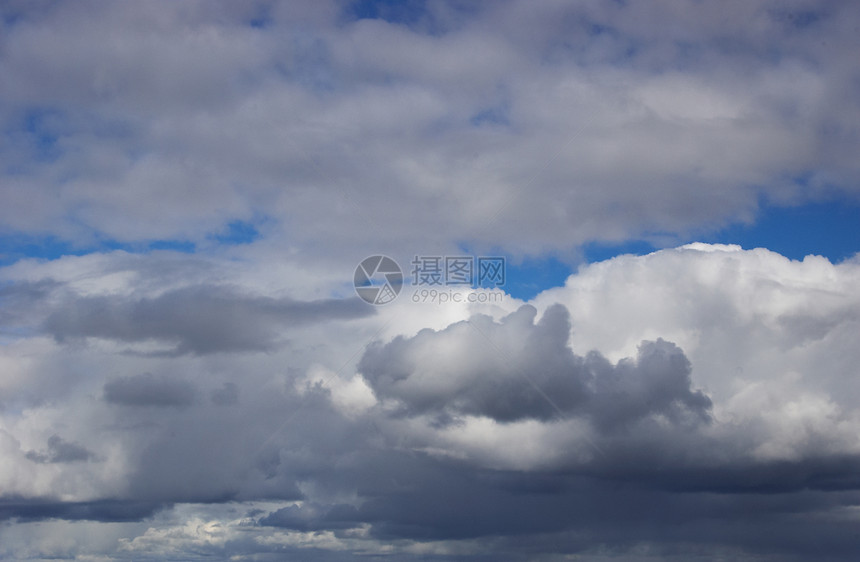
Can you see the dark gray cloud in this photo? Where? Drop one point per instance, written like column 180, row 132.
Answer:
column 113, row 510
column 147, row 389
column 528, row 515
column 60, row 450
column 226, row 395
column 199, row 320
column 313, row 517
column 515, row 369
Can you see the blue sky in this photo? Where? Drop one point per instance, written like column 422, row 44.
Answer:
column 829, row 229
column 187, row 372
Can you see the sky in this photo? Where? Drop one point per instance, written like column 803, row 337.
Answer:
column 622, row 324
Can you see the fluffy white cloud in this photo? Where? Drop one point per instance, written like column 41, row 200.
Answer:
column 491, row 409
column 735, row 313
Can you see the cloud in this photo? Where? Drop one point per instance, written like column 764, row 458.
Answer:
column 309, row 517
column 515, row 370
column 59, row 451
column 28, row 509
column 147, row 389
column 236, row 400
column 199, row 319
column 609, row 122
column 492, row 432
column 17, row 300
column 741, row 316
column 227, row 395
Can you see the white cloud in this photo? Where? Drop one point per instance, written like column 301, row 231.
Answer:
column 236, row 402
column 595, row 125
column 775, row 315
column 326, row 419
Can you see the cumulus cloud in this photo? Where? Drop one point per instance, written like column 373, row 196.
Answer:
column 549, row 427
column 515, row 370
column 780, row 318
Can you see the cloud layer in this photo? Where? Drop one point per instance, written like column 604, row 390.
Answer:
column 508, row 124
column 186, row 371
column 517, row 429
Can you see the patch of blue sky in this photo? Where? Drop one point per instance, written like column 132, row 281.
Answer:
column 594, row 252
column 523, row 277
column 395, row 11
column 237, row 232
column 410, row 13
column 827, row 228
column 15, row 247
column 528, row 277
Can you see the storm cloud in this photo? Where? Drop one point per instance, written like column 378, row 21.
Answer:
column 515, row 369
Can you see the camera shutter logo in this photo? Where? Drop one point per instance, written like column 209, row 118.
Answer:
column 378, row 280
